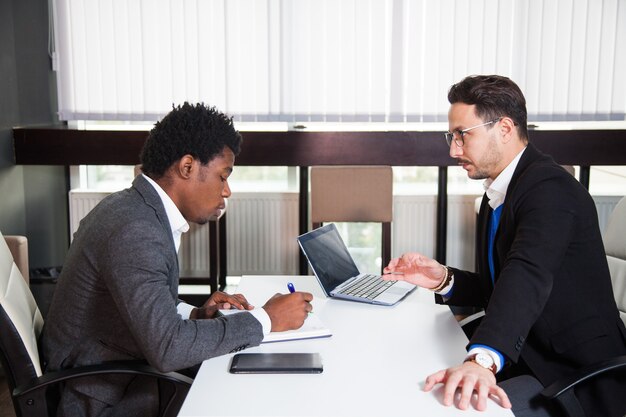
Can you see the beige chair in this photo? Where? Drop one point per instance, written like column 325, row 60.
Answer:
column 354, row 194
column 615, row 246
column 33, row 391
column 18, row 245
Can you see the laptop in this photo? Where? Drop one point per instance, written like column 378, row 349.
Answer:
column 339, row 276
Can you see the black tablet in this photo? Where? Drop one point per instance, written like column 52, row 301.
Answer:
column 276, row 363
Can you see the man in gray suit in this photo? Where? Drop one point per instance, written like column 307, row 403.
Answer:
column 117, row 296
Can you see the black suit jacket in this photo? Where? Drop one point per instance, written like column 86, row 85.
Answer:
column 552, row 305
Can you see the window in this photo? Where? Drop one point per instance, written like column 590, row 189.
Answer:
column 273, row 64
column 423, row 181
column 261, row 179
column 364, row 244
column 607, row 180
column 243, row 179
column 109, row 177
column 415, row 180
column 335, row 60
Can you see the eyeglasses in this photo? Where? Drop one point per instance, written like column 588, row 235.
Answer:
column 457, row 135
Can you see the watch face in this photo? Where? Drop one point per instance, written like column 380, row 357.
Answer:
column 484, row 360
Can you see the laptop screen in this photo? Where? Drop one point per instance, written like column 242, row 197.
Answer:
column 329, row 258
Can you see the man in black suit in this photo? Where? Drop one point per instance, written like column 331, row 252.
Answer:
column 542, row 274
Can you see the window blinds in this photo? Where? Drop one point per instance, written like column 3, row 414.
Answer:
column 335, row 60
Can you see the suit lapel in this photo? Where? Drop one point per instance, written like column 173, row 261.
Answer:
column 530, row 155
column 152, row 199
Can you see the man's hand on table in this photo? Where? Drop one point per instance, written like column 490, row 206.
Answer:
column 470, row 378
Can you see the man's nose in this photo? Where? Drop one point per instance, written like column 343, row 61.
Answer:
column 226, row 191
column 455, row 150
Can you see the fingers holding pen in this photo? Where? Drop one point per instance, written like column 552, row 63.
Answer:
column 304, row 299
column 288, row 311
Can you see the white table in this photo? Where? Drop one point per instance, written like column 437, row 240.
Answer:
column 375, row 362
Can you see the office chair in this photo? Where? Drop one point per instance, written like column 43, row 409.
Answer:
column 33, row 392
column 615, row 247
column 18, row 245
column 354, row 194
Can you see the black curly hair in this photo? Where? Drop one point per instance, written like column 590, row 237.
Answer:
column 198, row 130
column 494, row 96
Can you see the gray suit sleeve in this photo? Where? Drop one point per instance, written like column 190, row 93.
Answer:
column 139, row 276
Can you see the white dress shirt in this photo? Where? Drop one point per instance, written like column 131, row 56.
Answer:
column 496, row 189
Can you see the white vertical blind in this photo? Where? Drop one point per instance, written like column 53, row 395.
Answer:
column 336, row 60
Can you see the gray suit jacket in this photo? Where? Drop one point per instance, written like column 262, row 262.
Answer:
column 116, row 300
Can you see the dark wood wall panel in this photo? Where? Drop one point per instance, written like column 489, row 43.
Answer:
column 62, row 146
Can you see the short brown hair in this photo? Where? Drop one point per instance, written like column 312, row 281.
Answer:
column 494, row 96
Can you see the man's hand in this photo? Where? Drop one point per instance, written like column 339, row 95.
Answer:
column 288, row 311
column 220, row 301
column 471, row 378
column 416, row 269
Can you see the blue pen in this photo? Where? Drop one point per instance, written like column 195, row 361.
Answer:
column 291, row 288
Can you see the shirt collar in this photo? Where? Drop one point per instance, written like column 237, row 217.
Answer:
column 496, row 189
column 178, row 224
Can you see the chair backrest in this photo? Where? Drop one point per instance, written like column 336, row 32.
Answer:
column 615, row 246
column 354, row 194
column 18, row 245
column 20, row 323
column 351, row 194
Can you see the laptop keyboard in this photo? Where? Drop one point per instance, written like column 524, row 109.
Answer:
column 369, row 286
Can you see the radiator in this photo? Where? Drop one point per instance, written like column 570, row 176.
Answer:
column 414, row 227
column 80, row 203
column 262, row 227
column 261, row 230
column 261, row 234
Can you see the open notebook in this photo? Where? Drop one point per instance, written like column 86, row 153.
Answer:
column 311, row 329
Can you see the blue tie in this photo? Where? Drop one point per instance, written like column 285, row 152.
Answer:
column 493, row 228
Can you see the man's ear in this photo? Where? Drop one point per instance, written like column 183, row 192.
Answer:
column 507, row 128
column 185, row 166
